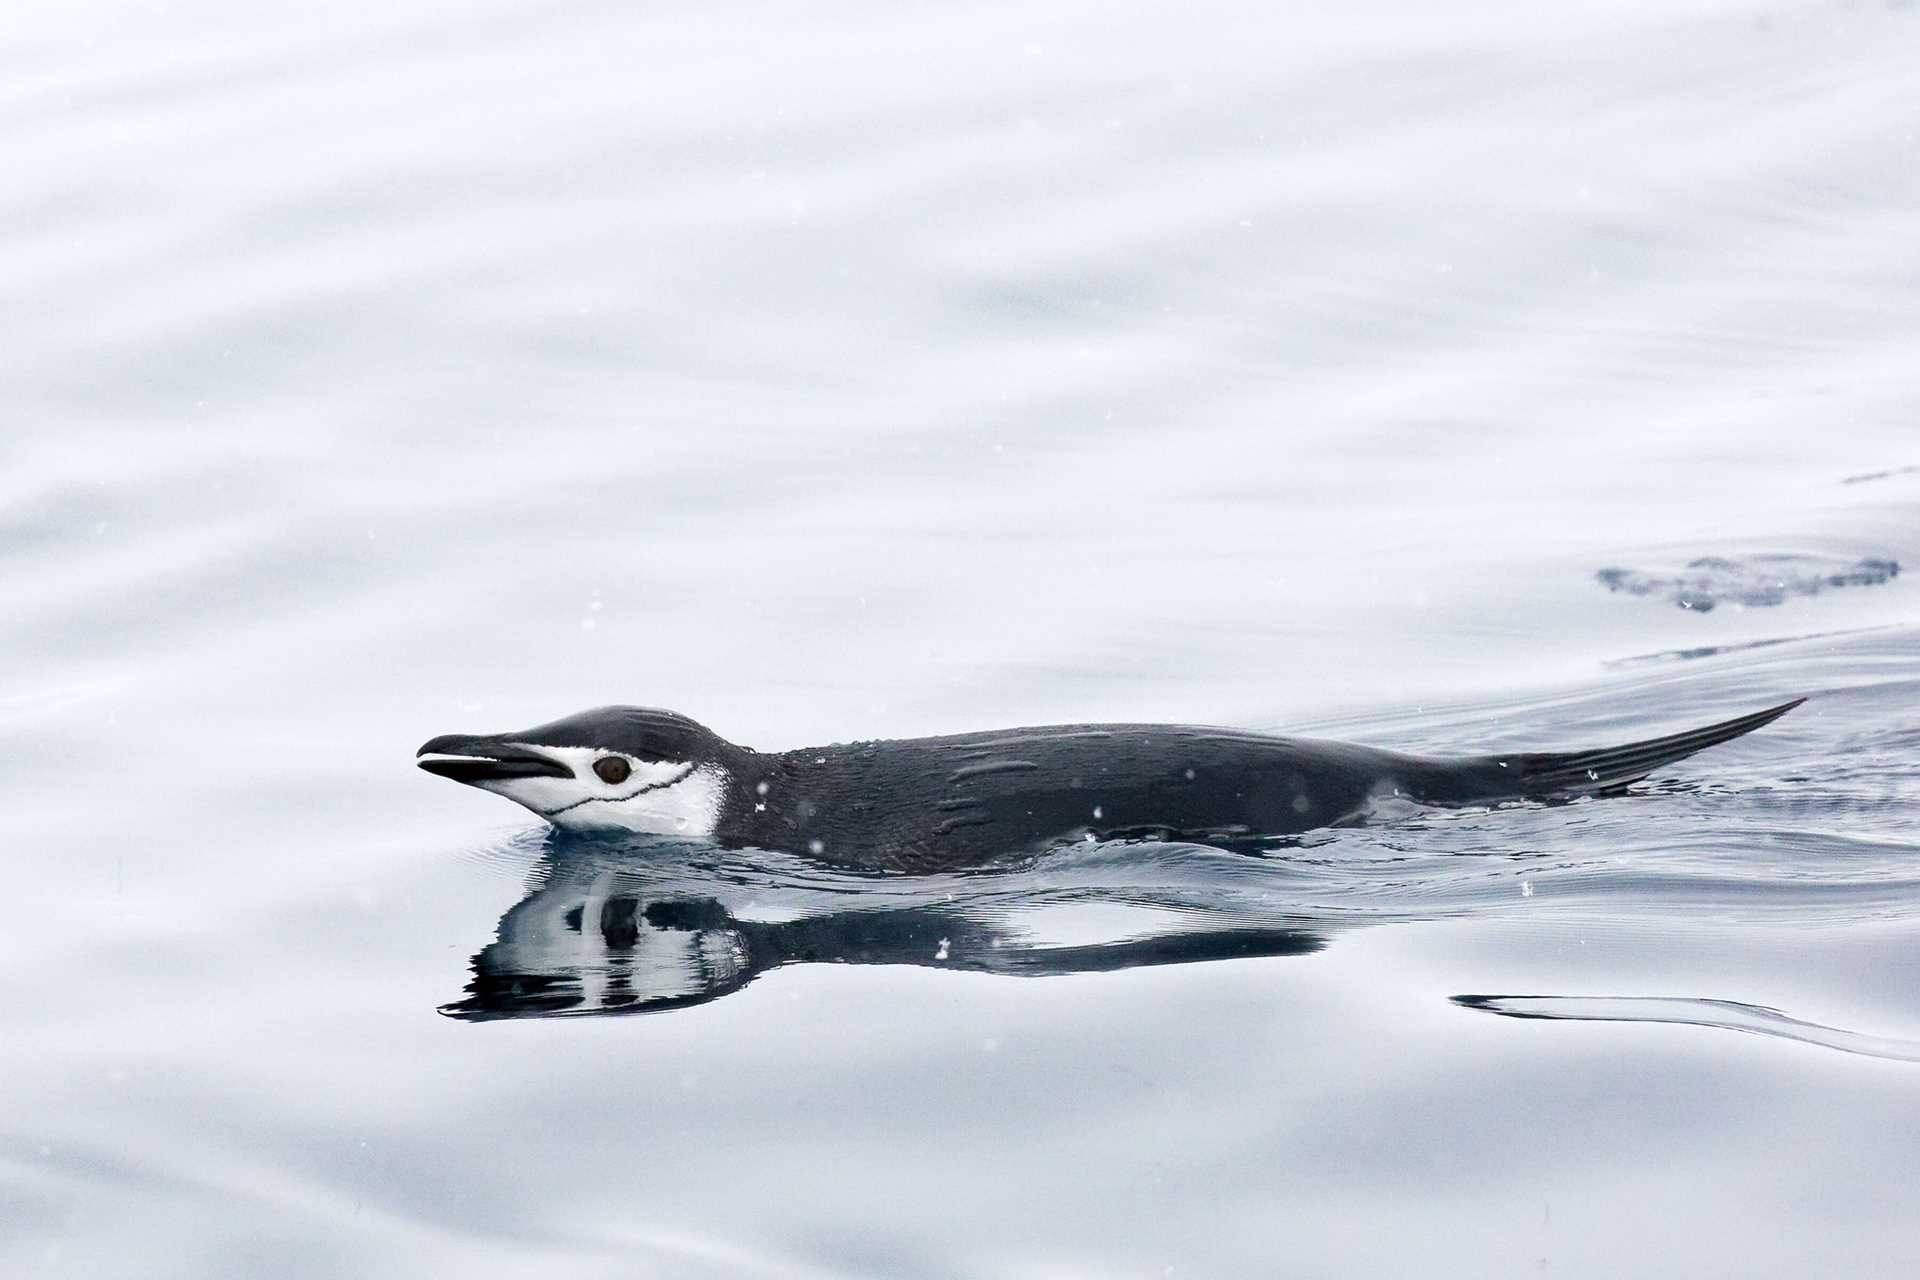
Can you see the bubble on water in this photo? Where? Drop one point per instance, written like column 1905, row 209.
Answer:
column 941, row 953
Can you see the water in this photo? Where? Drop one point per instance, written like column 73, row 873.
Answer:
column 1401, row 374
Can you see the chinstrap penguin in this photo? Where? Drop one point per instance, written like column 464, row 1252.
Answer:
column 926, row 804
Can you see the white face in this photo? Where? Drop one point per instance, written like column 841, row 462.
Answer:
column 660, row 797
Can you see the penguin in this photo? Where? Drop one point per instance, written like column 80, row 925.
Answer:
column 948, row 803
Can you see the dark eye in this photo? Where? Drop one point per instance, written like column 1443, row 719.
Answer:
column 612, row 770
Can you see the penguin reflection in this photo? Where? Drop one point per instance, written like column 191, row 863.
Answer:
column 639, row 927
column 633, row 929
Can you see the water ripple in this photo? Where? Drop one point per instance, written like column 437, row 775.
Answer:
column 1728, row 1015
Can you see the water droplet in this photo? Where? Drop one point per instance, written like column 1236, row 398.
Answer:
column 816, row 846
column 941, row 954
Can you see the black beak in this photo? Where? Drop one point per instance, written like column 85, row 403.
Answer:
column 476, row 760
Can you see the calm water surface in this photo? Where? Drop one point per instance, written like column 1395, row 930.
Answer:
column 1448, row 378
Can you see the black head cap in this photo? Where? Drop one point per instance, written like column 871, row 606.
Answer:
column 643, row 732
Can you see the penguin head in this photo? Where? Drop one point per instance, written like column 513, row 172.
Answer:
column 610, row 769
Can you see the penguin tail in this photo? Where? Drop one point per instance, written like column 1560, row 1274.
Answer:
column 1565, row 774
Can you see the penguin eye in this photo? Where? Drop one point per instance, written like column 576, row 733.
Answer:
column 612, row 770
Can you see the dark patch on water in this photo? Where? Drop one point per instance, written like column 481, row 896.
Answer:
column 1691, row 652
column 1888, row 474
column 1753, row 581
column 1726, row 1015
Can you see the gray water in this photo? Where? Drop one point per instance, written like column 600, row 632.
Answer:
column 1451, row 377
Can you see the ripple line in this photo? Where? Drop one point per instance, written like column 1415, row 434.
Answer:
column 1728, row 1015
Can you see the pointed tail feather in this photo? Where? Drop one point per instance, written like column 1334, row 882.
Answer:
column 1544, row 775
column 1560, row 775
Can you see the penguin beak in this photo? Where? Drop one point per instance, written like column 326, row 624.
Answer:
column 477, row 760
